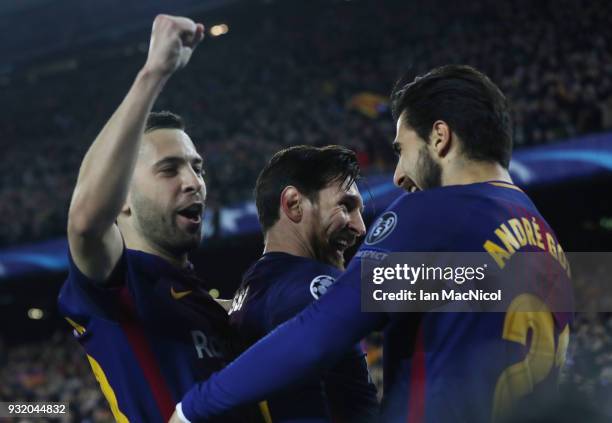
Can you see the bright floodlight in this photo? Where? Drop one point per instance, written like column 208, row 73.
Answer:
column 35, row 313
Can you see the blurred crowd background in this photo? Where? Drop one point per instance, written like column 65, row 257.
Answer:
column 291, row 73
column 302, row 73
column 54, row 369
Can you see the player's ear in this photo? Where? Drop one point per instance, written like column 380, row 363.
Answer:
column 291, row 203
column 441, row 138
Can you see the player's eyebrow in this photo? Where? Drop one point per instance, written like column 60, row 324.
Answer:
column 177, row 160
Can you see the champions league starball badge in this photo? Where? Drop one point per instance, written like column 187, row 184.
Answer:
column 383, row 226
column 320, row 285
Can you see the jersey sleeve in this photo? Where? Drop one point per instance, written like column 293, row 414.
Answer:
column 328, row 327
column 351, row 395
column 297, row 294
column 419, row 222
column 82, row 298
column 304, row 345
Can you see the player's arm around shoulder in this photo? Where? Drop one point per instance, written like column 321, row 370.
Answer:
column 409, row 222
column 107, row 169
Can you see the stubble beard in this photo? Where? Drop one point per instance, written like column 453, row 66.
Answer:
column 430, row 172
column 160, row 229
column 323, row 249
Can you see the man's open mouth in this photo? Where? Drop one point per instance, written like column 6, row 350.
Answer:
column 341, row 244
column 409, row 185
column 192, row 213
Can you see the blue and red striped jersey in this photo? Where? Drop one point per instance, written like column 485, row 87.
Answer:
column 273, row 290
column 438, row 367
column 149, row 333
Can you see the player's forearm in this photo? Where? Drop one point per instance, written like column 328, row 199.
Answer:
column 265, row 368
column 107, row 169
column 303, row 346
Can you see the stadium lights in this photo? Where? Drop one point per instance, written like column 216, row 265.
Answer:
column 217, row 30
column 35, row 314
column 214, row 293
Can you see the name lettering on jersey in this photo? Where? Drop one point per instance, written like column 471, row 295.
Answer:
column 320, row 285
column 238, row 301
column 212, row 346
column 381, row 229
column 515, row 234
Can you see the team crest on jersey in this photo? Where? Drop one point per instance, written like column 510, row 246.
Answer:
column 381, row 229
column 320, row 285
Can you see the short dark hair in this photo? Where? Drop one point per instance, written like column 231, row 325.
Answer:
column 309, row 169
column 164, row 120
column 467, row 100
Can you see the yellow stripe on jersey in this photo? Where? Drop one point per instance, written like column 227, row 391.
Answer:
column 80, row 329
column 265, row 411
column 506, row 185
column 107, row 390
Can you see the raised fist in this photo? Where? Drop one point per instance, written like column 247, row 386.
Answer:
column 173, row 39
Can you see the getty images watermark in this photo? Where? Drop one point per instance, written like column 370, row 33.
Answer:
column 424, row 273
column 481, row 282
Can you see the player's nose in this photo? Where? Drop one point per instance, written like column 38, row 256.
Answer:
column 399, row 177
column 192, row 182
column 356, row 224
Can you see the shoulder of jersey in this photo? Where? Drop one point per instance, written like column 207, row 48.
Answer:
column 320, row 284
column 321, row 277
column 387, row 222
column 416, row 209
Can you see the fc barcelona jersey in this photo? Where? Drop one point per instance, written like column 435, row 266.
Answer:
column 472, row 367
column 277, row 287
column 149, row 334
